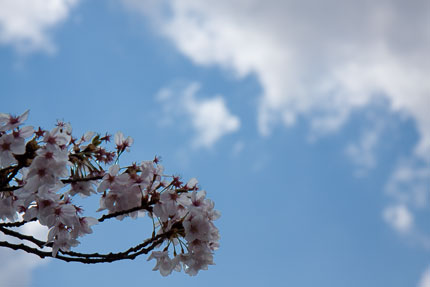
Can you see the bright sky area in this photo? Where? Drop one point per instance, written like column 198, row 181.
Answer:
column 307, row 122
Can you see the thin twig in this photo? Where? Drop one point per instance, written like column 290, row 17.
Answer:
column 146, row 206
column 79, row 179
column 65, row 181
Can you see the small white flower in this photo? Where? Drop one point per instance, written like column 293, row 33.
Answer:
column 198, row 228
column 83, row 188
column 59, row 136
column 7, row 149
column 84, row 227
column 122, row 143
column 10, row 122
column 8, row 209
column 61, row 238
column 109, row 179
column 164, row 264
column 85, row 138
column 192, row 183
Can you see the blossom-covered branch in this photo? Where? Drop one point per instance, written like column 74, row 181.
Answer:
column 42, row 171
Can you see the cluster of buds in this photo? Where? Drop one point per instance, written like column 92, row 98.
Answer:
column 42, row 171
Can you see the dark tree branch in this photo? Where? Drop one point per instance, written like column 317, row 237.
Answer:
column 24, row 160
column 144, row 206
column 5, row 174
column 65, row 181
column 16, row 224
column 12, row 175
column 10, row 188
column 70, row 256
column 21, row 236
column 88, row 258
column 79, row 179
column 133, row 250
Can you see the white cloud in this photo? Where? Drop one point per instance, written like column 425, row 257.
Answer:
column 425, row 279
column 318, row 60
column 399, row 217
column 26, row 24
column 409, row 190
column 409, row 184
column 310, row 59
column 362, row 153
column 20, row 265
column 209, row 117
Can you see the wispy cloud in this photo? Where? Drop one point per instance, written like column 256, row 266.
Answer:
column 425, row 279
column 237, row 148
column 363, row 152
column 209, row 117
column 399, row 217
column 410, row 183
column 20, row 265
column 409, row 190
column 26, row 24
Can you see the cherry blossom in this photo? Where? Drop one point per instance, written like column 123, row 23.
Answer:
column 42, row 171
column 122, row 143
column 7, row 149
column 164, row 263
column 83, row 188
column 9, row 122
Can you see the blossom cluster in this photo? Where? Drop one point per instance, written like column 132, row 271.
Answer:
column 41, row 171
column 196, row 214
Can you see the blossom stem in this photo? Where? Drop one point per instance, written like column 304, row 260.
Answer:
column 146, row 206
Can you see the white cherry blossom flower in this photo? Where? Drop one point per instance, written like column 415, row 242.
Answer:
column 8, row 208
column 192, row 184
column 59, row 136
column 9, row 122
column 61, row 238
column 85, row 138
column 164, row 263
column 23, row 132
column 83, row 188
column 7, row 149
column 199, row 258
column 197, row 227
column 85, row 224
column 122, row 143
column 109, row 179
column 43, row 172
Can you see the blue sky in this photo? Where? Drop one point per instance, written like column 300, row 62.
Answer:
column 307, row 127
